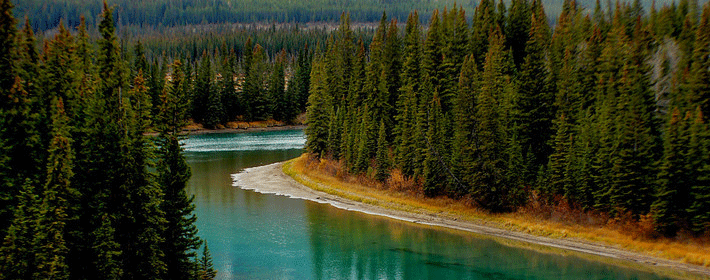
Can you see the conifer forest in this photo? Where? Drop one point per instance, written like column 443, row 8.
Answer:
column 604, row 106
column 606, row 110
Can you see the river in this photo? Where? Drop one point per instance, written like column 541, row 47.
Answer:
column 257, row 236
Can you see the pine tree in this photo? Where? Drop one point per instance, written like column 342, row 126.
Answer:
column 18, row 124
column 19, row 251
column 203, row 91
column 382, row 158
column 318, row 112
column 277, row 89
column 256, row 100
column 351, row 128
column 671, row 178
column 230, row 100
column 536, row 99
column 465, row 129
column 8, row 32
column 481, row 27
column 408, row 103
column 698, row 166
column 179, row 233
column 207, row 271
column 58, row 197
column 699, row 81
column 488, row 185
column 518, row 29
column 435, row 173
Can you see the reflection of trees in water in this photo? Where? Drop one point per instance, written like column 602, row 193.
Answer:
column 350, row 245
column 353, row 245
column 211, row 172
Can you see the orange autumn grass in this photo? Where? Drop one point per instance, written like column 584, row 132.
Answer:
column 559, row 221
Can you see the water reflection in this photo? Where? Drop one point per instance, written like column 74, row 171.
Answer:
column 349, row 245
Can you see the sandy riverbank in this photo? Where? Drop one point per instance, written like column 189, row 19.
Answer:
column 270, row 179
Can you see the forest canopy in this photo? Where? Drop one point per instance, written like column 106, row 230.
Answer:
column 45, row 15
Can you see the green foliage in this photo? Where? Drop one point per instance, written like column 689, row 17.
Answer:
column 382, row 158
column 206, row 270
column 319, row 111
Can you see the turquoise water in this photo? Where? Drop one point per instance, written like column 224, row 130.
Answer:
column 256, row 236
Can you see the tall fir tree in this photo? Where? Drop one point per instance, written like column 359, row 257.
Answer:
column 179, row 234
column 319, row 112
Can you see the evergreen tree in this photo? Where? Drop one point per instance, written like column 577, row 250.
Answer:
column 382, row 157
column 228, row 92
column 435, row 173
column 488, row 186
column 699, row 81
column 518, row 29
column 281, row 103
column 318, row 112
column 481, row 27
column 19, row 251
column 465, row 129
column 203, row 92
column 179, row 233
column 671, row 178
column 207, row 271
column 536, row 109
column 56, row 208
column 698, row 166
column 256, row 100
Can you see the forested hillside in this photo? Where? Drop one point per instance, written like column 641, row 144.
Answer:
column 84, row 193
column 45, row 14
column 606, row 111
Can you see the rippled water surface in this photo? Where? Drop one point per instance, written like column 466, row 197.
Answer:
column 255, row 236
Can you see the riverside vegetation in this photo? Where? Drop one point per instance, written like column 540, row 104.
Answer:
column 599, row 120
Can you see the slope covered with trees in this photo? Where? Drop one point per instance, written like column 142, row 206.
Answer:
column 168, row 13
column 84, row 194
column 606, row 110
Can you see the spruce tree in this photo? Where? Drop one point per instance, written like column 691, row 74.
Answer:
column 319, row 111
column 277, row 89
column 698, row 166
column 488, row 185
column 230, row 99
column 481, row 27
column 435, row 173
column 256, row 100
column 699, row 81
column 59, row 195
column 207, row 271
column 464, row 135
column 203, row 91
column 19, row 250
column 518, row 29
column 671, row 178
column 179, row 234
column 536, row 110
column 382, row 158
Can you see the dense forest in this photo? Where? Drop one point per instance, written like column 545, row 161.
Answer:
column 607, row 110
column 46, row 15
column 84, row 193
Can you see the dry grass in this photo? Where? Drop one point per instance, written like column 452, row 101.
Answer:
column 260, row 124
column 556, row 219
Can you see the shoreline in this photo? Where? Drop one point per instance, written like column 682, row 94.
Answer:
column 202, row 131
column 270, row 179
